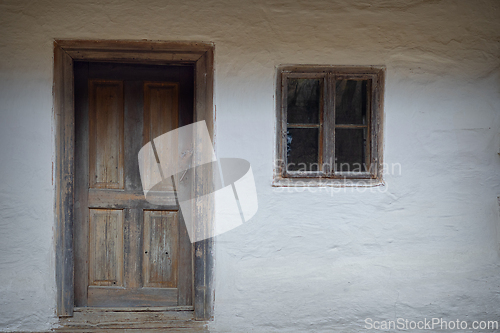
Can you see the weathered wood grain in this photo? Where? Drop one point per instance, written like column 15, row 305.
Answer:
column 114, row 297
column 161, row 249
column 106, row 134
column 98, row 198
column 133, row 140
column 80, row 227
column 159, row 319
column 374, row 76
column 161, row 115
column 123, row 115
column 105, row 248
column 64, row 178
column 65, row 51
column 203, row 209
column 125, row 46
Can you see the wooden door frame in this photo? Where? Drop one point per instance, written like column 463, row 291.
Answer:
column 201, row 55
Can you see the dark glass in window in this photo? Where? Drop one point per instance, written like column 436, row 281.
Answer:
column 302, row 149
column 350, row 149
column 350, row 101
column 303, row 101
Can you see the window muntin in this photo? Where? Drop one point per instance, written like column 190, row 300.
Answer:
column 329, row 122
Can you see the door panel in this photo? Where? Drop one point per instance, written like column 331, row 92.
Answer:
column 161, row 108
column 106, row 134
column 161, row 116
column 161, row 247
column 106, row 247
column 128, row 252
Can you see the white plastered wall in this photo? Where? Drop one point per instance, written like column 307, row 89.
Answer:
column 425, row 245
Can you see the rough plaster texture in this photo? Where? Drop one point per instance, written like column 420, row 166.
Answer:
column 425, row 245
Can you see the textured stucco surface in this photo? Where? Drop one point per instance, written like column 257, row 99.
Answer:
column 425, row 245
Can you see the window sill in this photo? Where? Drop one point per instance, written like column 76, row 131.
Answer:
column 326, row 182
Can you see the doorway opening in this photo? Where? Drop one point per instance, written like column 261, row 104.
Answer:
column 105, row 231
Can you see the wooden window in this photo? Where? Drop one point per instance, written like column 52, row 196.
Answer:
column 329, row 125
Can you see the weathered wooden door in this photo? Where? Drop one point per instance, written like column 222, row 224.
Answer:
column 128, row 252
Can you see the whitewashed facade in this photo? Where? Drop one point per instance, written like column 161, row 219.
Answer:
column 424, row 245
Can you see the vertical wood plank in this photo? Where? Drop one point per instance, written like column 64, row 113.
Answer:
column 133, row 248
column 378, row 123
column 185, row 270
column 323, row 157
column 106, row 247
column 133, row 123
column 63, row 174
column 329, row 127
column 106, row 131
column 203, row 213
column 81, row 229
column 368, row 146
column 283, row 132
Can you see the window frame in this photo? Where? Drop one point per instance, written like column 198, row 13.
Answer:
column 326, row 146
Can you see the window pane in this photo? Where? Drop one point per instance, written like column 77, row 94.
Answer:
column 302, row 149
column 350, row 101
column 303, row 101
column 350, row 149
